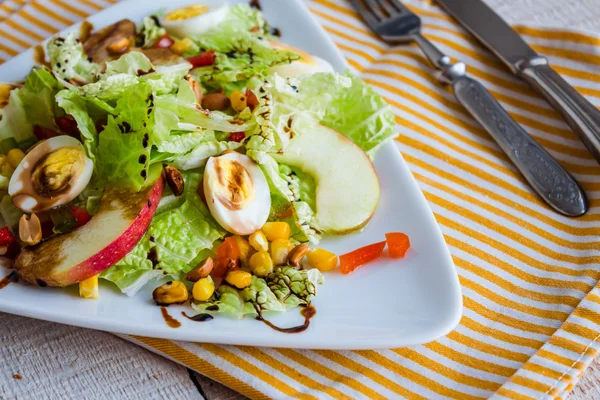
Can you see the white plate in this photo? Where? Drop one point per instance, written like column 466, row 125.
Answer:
column 385, row 304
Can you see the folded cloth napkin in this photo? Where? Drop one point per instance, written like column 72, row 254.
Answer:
column 529, row 276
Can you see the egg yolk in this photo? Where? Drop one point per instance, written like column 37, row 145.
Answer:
column 53, row 173
column 186, row 12
column 232, row 184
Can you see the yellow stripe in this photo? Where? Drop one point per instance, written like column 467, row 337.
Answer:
column 14, row 39
column 189, row 359
column 507, row 232
column 554, row 34
column 487, row 348
column 513, row 287
column 571, row 345
column 469, row 361
column 507, row 319
column 500, row 335
column 593, row 298
column 48, row 12
column 581, row 331
column 92, row 4
column 586, row 313
column 508, row 216
column 291, row 372
column 548, row 355
column 530, row 383
column 37, row 22
column 253, row 370
column 364, row 370
column 545, row 371
column 70, row 8
column 329, row 373
column 22, row 30
column 514, row 305
column 517, row 206
column 448, row 372
column 413, row 376
column 513, row 395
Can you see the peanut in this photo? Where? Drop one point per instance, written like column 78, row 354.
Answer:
column 216, row 101
column 297, row 254
column 202, row 270
column 30, row 229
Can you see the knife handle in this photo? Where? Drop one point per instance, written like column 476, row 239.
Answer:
column 580, row 114
column 545, row 175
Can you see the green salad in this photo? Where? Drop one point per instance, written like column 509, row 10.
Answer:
column 194, row 146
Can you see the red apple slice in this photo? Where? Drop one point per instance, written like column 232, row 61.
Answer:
column 121, row 221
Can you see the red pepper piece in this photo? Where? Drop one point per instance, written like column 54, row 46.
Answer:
column 6, row 237
column 81, row 216
column 251, row 99
column 237, row 136
column 67, row 124
column 350, row 261
column 398, row 244
column 203, row 59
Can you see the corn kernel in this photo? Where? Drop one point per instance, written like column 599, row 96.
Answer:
column 280, row 250
column 322, row 259
column 244, row 247
column 259, row 241
column 261, row 263
column 181, row 46
column 14, row 157
column 203, row 289
column 5, row 168
column 238, row 101
column 88, row 288
column 238, row 278
column 276, row 230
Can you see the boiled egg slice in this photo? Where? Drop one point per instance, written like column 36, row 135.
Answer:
column 195, row 19
column 53, row 173
column 307, row 65
column 237, row 193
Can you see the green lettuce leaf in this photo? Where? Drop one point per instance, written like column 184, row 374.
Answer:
column 202, row 152
column 149, row 32
column 181, row 232
column 362, row 115
column 131, row 63
column 69, row 61
column 282, row 290
column 38, row 95
column 13, row 119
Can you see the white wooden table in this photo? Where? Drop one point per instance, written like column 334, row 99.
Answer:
column 44, row 360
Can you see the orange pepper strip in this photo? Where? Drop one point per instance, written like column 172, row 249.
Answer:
column 229, row 249
column 350, row 261
column 398, row 244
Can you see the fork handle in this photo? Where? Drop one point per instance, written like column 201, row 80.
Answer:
column 546, row 176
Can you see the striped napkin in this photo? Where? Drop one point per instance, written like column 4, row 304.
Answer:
column 529, row 276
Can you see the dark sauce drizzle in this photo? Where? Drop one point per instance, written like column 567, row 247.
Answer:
column 307, row 312
column 172, row 322
column 203, row 317
column 10, row 278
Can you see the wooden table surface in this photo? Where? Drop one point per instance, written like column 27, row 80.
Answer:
column 44, row 360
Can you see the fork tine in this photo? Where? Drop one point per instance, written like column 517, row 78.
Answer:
column 399, row 6
column 375, row 10
column 388, row 7
column 365, row 14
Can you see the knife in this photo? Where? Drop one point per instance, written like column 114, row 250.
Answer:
column 524, row 62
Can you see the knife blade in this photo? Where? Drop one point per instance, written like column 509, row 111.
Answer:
column 523, row 61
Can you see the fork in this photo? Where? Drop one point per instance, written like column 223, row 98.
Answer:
column 395, row 24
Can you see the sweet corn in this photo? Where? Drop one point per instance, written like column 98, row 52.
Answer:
column 238, row 101
column 244, row 247
column 280, row 250
column 238, row 278
column 276, row 230
column 5, row 168
column 203, row 289
column 259, row 241
column 88, row 288
column 14, row 157
column 322, row 259
column 261, row 263
column 181, row 46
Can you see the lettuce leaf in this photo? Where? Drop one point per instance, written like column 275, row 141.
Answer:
column 69, row 61
column 202, row 152
column 38, row 95
column 13, row 119
column 179, row 233
column 149, row 32
column 282, row 290
column 361, row 115
column 131, row 63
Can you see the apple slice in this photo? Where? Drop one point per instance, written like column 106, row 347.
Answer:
column 347, row 186
column 121, row 221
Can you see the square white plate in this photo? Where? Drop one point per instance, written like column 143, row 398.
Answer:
column 386, row 304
